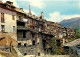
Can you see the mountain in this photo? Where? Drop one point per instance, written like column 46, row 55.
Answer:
column 72, row 23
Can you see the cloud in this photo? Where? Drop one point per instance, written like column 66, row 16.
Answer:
column 70, row 16
column 57, row 17
column 48, row 0
column 36, row 3
column 27, row 11
column 14, row 2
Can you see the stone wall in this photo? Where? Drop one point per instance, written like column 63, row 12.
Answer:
column 30, row 44
column 48, row 56
column 13, row 35
column 7, row 38
column 28, row 34
column 56, row 56
column 32, row 50
column 7, row 54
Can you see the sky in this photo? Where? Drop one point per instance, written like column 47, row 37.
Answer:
column 54, row 10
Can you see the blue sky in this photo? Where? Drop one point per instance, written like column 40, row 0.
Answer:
column 54, row 10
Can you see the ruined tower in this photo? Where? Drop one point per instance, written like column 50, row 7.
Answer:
column 42, row 15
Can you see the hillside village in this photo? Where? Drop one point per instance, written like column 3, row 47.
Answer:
column 23, row 34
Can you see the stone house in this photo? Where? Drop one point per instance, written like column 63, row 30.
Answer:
column 32, row 39
column 7, row 25
column 72, row 48
column 32, row 33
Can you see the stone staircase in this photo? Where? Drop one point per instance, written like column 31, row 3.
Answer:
column 17, row 52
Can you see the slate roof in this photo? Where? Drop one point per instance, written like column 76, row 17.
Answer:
column 73, row 43
column 76, row 49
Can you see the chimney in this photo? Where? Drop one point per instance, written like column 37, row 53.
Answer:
column 9, row 3
column 21, row 9
column 42, row 15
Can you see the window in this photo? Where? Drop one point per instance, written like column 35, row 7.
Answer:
column 33, row 42
column 13, row 28
column 24, row 45
column 2, row 17
column 19, row 17
column 19, row 44
column 25, row 54
column 38, row 54
column 32, row 35
column 24, row 34
column 13, row 17
column 2, row 28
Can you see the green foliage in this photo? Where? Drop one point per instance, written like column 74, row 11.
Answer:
column 59, row 52
column 78, row 32
column 55, row 48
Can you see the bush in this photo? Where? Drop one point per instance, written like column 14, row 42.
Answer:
column 55, row 49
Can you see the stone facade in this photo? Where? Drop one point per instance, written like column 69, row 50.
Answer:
column 8, row 28
column 72, row 48
column 34, row 33
column 8, row 20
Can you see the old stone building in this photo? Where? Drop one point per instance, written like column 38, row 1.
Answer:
column 63, row 34
column 7, row 25
column 32, row 33
column 32, row 37
column 72, row 48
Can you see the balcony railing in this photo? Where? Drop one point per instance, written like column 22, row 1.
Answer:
column 22, row 19
column 22, row 39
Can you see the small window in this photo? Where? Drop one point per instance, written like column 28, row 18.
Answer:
column 2, row 17
column 25, row 54
column 38, row 54
column 19, row 17
column 33, row 42
column 24, row 34
column 19, row 44
column 13, row 28
column 24, row 45
column 2, row 28
column 32, row 35
column 13, row 17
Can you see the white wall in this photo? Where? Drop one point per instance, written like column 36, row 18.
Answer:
column 9, row 23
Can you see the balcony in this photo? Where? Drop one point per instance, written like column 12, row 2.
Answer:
column 22, row 39
column 22, row 28
column 41, row 23
column 25, row 20
column 22, row 19
column 26, row 28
